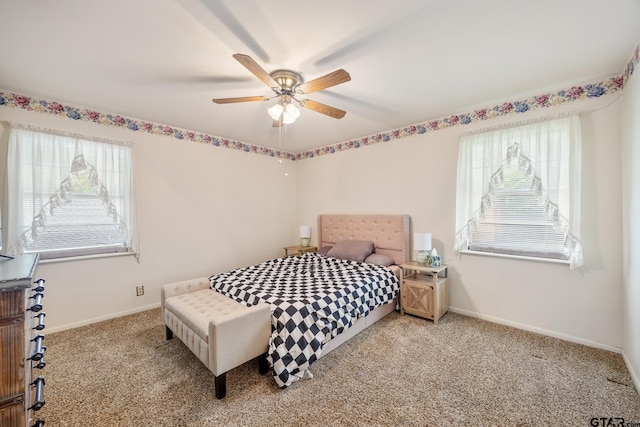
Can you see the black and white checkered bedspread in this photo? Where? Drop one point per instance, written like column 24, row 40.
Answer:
column 313, row 298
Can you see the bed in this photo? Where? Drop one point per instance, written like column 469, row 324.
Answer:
column 320, row 300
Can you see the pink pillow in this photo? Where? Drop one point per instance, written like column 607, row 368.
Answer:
column 324, row 250
column 379, row 259
column 354, row 250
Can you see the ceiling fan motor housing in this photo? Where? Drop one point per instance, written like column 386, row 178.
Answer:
column 288, row 80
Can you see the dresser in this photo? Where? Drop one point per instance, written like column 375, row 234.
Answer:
column 21, row 342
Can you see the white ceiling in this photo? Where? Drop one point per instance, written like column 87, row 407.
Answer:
column 410, row 60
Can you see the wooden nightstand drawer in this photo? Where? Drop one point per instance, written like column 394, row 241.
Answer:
column 417, row 299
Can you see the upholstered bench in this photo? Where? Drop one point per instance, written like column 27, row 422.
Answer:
column 221, row 332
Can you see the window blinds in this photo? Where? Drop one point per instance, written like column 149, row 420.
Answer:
column 518, row 191
column 68, row 195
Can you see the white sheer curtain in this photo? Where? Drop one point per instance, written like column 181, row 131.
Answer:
column 554, row 149
column 38, row 163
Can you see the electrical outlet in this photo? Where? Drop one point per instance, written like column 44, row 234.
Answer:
column 139, row 290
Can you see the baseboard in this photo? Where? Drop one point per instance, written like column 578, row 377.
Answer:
column 100, row 319
column 634, row 374
column 537, row 330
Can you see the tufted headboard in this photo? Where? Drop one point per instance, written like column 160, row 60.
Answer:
column 389, row 233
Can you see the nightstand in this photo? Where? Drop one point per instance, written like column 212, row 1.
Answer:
column 298, row 250
column 424, row 291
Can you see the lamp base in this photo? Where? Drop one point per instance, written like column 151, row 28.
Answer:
column 304, row 241
column 422, row 257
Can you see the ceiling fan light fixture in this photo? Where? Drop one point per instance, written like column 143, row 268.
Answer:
column 275, row 111
column 290, row 114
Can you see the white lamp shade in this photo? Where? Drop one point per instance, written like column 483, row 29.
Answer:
column 275, row 111
column 422, row 241
column 305, row 231
column 290, row 114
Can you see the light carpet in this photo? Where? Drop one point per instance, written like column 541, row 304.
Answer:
column 404, row 370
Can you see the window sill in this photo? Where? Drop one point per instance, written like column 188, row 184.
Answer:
column 83, row 257
column 521, row 257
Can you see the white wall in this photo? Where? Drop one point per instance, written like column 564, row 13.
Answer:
column 201, row 210
column 631, row 224
column 204, row 209
column 417, row 176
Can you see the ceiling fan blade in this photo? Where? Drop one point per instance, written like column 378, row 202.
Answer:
column 256, row 69
column 322, row 108
column 240, row 99
column 331, row 79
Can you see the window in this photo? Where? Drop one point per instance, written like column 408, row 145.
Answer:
column 68, row 195
column 518, row 191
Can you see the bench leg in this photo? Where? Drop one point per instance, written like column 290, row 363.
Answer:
column 169, row 333
column 221, row 386
column 263, row 364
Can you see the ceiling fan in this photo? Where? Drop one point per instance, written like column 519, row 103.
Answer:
column 286, row 84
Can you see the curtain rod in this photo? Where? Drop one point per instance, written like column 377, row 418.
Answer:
column 67, row 134
column 519, row 123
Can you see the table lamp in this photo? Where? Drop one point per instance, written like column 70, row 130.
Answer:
column 422, row 246
column 305, row 235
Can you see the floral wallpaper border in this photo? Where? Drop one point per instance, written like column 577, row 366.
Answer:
column 605, row 87
column 592, row 90
column 75, row 113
